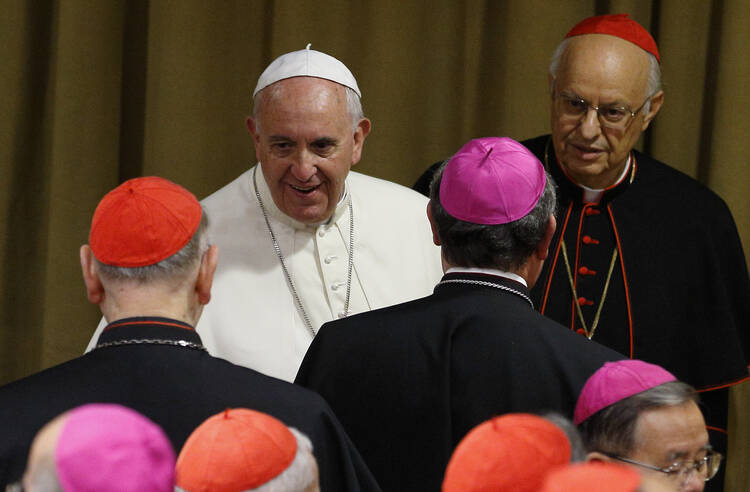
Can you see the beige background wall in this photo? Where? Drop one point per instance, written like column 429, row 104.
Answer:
column 94, row 92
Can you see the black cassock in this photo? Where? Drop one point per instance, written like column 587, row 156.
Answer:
column 176, row 387
column 679, row 293
column 409, row 381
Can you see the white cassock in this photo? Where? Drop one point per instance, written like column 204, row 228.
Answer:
column 252, row 319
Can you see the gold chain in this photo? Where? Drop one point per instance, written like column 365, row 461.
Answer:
column 589, row 334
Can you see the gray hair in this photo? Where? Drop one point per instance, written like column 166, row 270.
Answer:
column 505, row 246
column 298, row 476
column 176, row 265
column 43, row 477
column 612, row 429
column 301, row 472
column 653, row 82
column 577, row 449
column 353, row 107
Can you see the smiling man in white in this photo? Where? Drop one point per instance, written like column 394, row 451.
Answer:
column 303, row 240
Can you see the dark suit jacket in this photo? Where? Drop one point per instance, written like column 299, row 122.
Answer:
column 409, row 381
column 176, row 387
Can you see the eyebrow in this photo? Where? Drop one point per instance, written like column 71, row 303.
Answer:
column 616, row 104
column 681, row 454
column 325, row 141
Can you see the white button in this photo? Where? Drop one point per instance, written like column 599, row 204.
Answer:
column 321, row 232
column 329, row 259
column 337, row 285
column 342, row 314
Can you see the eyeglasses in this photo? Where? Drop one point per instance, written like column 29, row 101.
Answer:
column 706, row 467
column 610, row 116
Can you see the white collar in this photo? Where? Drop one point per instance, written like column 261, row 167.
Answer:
column 591, row 195
column 273, row 210
column 489, row 271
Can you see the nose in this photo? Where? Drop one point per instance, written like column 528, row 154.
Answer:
column 590, row 127
column 303, row 168
column 694, row 482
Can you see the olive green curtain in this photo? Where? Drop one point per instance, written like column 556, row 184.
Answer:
column 94, row 92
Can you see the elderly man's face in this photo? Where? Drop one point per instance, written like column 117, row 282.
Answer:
column 604, row 71
column 306, row 145
column 666, row 435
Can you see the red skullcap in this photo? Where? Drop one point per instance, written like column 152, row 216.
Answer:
column 619, row 25
column 593, row 477
column 238, row 449
column 142, row 222
column 512, row 453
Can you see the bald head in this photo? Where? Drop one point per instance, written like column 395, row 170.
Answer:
column 609, row 73
column 40, row 471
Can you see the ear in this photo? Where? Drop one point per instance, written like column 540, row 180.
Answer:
column 360, row 134
column 542, row 249
column 94, row 287
column 206, row 274
column 656, row 102
column 595, row 456
column 435, row 235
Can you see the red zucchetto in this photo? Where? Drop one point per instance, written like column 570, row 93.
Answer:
column 142, row 222
column 619, row 25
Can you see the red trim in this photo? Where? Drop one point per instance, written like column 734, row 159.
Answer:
column 554, row 260
column 717, row 429
column 126, row 323
column 725, row 385
column 624, row 277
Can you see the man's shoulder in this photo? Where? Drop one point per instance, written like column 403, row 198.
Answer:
column 671, row 185
column 237, row 189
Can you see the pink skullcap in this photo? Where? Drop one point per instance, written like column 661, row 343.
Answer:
column 619, row 25
column 492, row 180
column 143, row 221
column 616, row 381
column 107, row 447
column 512, row 453
column 593, row 477
column 238, row 449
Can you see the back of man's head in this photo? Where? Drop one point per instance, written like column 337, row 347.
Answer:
column 147, row 229
column 491, row 204
column 512, row 453
column 246, row 450
column 148, row 253
column 102, row 447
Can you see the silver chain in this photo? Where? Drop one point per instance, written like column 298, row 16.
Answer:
column 152, row 341
column 277, row 248
column 488, row 284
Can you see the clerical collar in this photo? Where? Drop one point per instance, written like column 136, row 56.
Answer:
column 278, row 215
column 489, row 271
column 591, row 195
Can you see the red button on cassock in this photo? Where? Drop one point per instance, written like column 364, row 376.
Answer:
column 582, row 301
column 592, row 211
column 589, row 240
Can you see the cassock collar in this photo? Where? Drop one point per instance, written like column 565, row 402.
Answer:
column 471, row 280
column 148, row 327
column 278, row 215
column 489, row 271
column 573, row 190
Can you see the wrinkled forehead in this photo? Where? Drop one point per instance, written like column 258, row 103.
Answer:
column 600, row 62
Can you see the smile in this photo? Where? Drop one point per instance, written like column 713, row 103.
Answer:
column 304, row 189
